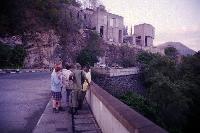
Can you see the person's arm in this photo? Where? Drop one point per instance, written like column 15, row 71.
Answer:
column 86, row 79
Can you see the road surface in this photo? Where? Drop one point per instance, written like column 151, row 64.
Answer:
column 23, row 98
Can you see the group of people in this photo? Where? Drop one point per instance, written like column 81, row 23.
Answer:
column 75, row 80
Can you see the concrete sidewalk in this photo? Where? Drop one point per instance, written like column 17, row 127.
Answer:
column 50, row 122
column 63, row 122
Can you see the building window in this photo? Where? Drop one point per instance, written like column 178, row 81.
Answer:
column 145, row 40
column 120, row 36
column 105, row 20
column 111, row 22
column 138, row 37
column 101, row 31
column 116, row 23
column 78, row 15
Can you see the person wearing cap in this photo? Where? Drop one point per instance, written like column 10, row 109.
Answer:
column 56, row 88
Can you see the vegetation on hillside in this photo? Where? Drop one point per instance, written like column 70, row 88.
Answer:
column 122, row 55
column 21, row 16
column 12, row 57
column 27, row 17
column 94, row 48
column 172, row 92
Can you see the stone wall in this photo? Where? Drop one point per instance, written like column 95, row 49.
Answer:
column 112, row 72
column 119, row 85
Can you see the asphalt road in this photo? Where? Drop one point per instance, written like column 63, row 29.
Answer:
column 23, row 98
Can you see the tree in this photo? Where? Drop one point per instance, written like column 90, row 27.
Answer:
column 5, row 55
column 27, row 16
column 145, row 58
column 18, row 56
column 171, row 102
column 89, row 55
column 127, row 57
column 166, row 90
column 171, row 52
column 189, row 74
column 12, row 57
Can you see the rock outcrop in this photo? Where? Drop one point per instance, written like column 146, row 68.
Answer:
column 40, row 49
column 44, row 48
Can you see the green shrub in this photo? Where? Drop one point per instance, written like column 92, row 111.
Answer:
column 12, row 57
column 89, row 55
column 174, row 89
column 142, row 105
column 5, row 55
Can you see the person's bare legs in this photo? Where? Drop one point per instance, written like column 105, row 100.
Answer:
column 58, row 104
column 55, row 106
column 54, row 103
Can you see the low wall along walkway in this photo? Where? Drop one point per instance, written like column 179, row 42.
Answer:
column 113, row 116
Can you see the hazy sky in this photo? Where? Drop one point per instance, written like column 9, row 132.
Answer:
column 174, row 20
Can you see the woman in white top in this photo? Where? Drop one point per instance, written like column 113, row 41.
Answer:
column 56, row 85
column 67, row 84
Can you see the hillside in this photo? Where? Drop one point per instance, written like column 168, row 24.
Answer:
column 181, row 48
column 48, row 30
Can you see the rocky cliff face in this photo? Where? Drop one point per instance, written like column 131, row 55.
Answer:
column 44, row 48
column 40, row 49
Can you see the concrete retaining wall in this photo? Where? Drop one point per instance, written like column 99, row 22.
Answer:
column 119, row 85
column 113, row 116
column 117, row 72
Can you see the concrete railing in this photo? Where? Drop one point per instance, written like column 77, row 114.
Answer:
column 113, row 116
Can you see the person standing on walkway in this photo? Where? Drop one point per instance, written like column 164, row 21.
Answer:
column 67, row 83
column 56, row 88
column 78, row 78
column 85, row 86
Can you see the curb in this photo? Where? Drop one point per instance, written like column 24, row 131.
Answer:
column 14, row 71
column 39, row 120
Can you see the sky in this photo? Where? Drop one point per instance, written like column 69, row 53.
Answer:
column 174, row 20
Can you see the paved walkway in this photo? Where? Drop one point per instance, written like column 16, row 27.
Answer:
column 63, row 122
column 85, row 122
